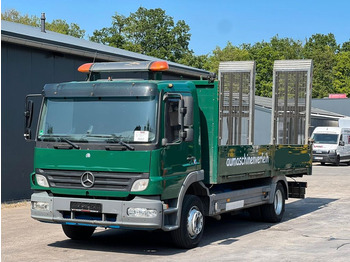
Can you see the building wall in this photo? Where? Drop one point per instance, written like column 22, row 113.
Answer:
column 262, row 126
column 25, row 70
column 340, row 106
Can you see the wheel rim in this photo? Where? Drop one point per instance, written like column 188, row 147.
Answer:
column 194, row 222
column 278, row 204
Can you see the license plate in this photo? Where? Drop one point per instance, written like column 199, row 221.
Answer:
column 318, row 157
column 86, row 207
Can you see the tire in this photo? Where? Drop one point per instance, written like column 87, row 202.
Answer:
column 255, row 213
column 337, row 161
column 323, row 163
column 190, row 232
column 78, row 232
column 274, row 212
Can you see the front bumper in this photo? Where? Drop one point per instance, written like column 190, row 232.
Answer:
column 113, row 215
column 324, row 158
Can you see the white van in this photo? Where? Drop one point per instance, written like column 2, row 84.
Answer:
column 331, row 145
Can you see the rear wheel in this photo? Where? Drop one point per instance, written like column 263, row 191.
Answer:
column 78, row 232
column 323, row 163
column 274, row 212
column 190, row 232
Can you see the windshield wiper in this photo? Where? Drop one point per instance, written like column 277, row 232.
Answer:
column 120, row 142
column 126, row 145
column 69, row 142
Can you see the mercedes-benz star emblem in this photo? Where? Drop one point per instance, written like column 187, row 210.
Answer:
column 87, row 179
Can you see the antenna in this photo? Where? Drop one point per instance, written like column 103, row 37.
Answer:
column 93, row 61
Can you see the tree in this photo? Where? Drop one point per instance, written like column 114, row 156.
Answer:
column 341, row 73
column 200, row 61
column 322, row 50
column 228, row 53
column 147, row 31
column 265, row 53
column 57, row 25
column 13, row 15
column 112, row 36
column 345, row 47
column 61, row 26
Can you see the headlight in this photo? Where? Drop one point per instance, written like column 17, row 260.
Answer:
column 141, row 212
column 42, row 206
column 41, row 180
column 333, row 152
column 139, row 185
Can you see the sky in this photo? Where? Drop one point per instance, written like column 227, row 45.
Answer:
column 212, row 23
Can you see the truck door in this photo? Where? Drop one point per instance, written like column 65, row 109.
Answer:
column 177, row 154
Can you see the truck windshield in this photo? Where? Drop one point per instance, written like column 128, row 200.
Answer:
column 325, row 138
column 99, row 120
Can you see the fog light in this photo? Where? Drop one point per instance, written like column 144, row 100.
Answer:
column 41, row 180
column 139, row 185
column 141, row 212
column 41, row 206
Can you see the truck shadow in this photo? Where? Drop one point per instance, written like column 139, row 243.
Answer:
column 224, row 232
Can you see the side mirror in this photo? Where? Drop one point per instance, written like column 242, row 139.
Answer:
column 189, row 134
column 341, row 143
column 28, row 113
column 188, row 104
column 186, row 111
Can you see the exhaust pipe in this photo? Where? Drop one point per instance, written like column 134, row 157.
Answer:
column 43, row 22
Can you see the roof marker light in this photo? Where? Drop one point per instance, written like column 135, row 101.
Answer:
column 85, row 68
column 159, row 66
column 135, row 66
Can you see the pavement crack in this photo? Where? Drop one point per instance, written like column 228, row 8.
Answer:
column 343, row 245
column 327, row 238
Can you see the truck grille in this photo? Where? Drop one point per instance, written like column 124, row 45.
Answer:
column 320, row 152
column 102, row 180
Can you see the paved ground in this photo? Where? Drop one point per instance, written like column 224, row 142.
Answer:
column 316, row 228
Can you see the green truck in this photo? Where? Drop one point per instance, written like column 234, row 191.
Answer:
column 146, row 155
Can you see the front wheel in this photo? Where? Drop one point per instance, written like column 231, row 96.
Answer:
column 337, row 161
column 78, row 232
column 274, row 212
column 190, row 232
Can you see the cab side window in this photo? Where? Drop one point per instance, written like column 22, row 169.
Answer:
column 172, row 127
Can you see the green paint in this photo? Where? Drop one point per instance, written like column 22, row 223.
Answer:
column 169, row 165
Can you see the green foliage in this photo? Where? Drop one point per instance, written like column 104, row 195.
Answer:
column 228, row 53
column 346, row 46
column 14, row 16
column 341, row 73
column 200, row 61
column 112, row 36
column 58, row 25
column 322, row 50
column 152, row 32
column 147, row 31
column 265, row 54
column 331, row 66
